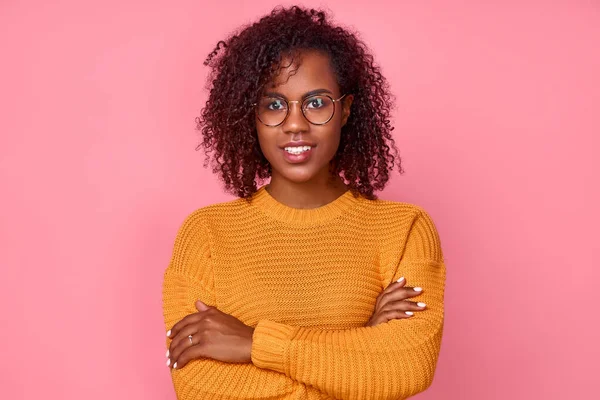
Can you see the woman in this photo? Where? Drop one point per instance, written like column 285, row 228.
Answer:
column 308, row 287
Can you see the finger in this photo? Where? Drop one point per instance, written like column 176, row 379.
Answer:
column 401, row 293
column 201, row 306
column 395, row 314
column 395, row 285
column 189, row 319
column 191, row 353
column 404, row 305
column 184, row 345
column 391, row 287
column 389, row 315
column 182, row 341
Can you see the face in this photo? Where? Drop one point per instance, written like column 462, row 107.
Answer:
column 297, row 82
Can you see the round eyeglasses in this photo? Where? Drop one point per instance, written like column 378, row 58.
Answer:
column 317, row 109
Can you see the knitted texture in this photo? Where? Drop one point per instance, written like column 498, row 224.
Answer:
column 307, row 280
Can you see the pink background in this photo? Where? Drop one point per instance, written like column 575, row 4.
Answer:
column 497, row 122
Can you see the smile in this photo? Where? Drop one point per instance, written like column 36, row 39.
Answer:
column 297, row 154
column 297, row 150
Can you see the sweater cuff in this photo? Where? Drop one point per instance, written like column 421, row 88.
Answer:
column 269, row 343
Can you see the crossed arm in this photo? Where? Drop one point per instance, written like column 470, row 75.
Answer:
column 391, row 360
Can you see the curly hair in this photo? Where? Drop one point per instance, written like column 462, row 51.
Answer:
column 243, row 64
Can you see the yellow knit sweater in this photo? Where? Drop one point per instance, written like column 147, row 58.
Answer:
column 307, row 280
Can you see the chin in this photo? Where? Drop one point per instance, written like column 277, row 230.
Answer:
column 301, row 172
column 298, row 176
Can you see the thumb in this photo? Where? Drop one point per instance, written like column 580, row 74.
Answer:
column 201, row 306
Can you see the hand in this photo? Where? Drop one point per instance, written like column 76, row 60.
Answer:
column 214, row 334
column 392, row 303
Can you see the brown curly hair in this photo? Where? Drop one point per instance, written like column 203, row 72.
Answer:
column 243, row 64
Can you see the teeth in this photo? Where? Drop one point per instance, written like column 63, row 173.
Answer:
column 297, row 150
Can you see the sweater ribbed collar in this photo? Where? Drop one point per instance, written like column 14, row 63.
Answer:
column 270, row 206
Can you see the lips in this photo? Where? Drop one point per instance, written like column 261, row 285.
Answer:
column 297, row 144
column 297, row 158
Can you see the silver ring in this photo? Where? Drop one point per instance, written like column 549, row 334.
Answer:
column 190, row 337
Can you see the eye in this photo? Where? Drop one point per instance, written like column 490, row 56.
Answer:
column 276, row 105
column 319, row 103
column 315, row 102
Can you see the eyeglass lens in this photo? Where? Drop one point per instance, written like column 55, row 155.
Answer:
column 317, row 109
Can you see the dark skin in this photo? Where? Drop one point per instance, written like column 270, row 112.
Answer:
column 222, row 337
column 304, row 185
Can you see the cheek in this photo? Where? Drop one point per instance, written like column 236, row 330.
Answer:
column 331, row 139
column 334, row 145
column 267, row 143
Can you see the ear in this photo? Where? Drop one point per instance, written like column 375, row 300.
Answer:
column 346, row 104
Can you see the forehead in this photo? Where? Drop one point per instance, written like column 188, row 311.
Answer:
column 305, row 72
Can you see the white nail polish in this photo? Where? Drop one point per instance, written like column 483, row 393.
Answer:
column 169, row 333
column 174, row 365
column 400, row 280
column 167, row 355
column 168, row 362
column 417, row 289
column 421, row 304
column 408, row 312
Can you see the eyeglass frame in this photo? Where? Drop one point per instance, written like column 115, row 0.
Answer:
column 301, row 109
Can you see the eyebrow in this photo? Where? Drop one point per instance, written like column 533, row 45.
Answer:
column 305, row 95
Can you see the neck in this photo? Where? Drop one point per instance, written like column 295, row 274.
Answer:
column 305, row 195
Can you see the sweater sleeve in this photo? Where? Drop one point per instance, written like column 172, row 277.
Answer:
column 189, row 277
column 393, row 360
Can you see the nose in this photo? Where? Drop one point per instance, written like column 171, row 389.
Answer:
column 295, row 121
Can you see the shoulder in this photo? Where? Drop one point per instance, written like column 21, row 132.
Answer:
column 406, row 223
column 394, row 212
column 201, row 219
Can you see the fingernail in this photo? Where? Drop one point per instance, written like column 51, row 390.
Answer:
column 417, row 289
column 169, row 332
column 174, row 365
column 408, row 312
column 167, row 353
column 421, row 304
column 168, row 362
column 400, row 280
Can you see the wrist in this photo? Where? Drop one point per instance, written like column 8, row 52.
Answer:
column 250, row 340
